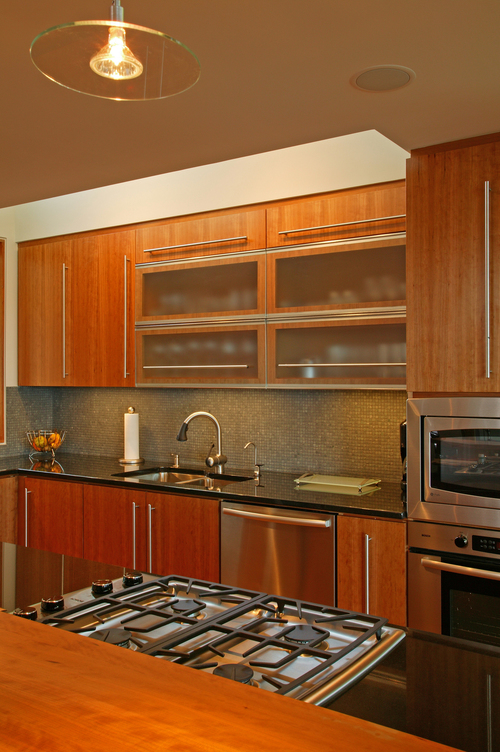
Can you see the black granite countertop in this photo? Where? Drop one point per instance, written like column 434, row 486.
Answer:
column 273, row 488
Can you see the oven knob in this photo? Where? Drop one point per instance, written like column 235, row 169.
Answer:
column 26, row 613
column 461, row 541
column 102, row 587
column 132, row 578
column 51, row 605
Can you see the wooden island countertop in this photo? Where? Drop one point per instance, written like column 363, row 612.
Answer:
column 62, row 692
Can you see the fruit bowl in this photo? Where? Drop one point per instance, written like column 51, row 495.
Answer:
column 45, row 441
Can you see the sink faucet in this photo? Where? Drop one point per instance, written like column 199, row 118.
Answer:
column 217, row 460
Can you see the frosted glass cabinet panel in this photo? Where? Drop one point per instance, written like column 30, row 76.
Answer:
column 228, row 286
column 368, row 352
column 204, row 355
column 350, row 274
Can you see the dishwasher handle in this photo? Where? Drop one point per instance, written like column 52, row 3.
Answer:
column 283, row 519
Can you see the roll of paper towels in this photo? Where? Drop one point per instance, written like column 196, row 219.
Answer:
column 131, row 437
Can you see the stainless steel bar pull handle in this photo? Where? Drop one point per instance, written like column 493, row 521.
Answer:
column 489, row 717
column 367, row 573
column 487, row 307
column 335, row 365
column 457, row 569
column 135, row 507
column 340, row 224
column 150, row 526
column 203, row 365
column 125, row 319
column 26, row 492
column 305, row 521
column 193, row 245
column 64, row 374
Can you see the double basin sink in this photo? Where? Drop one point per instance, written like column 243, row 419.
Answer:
column 183, row 478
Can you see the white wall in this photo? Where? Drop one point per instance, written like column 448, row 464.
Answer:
column 357, row 159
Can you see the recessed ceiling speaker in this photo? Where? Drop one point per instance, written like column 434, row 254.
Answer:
column 381, row 78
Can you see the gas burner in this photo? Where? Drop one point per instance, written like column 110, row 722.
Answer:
column 187, row 606
column 303, row 634
column 238, row 673
column 119, row 637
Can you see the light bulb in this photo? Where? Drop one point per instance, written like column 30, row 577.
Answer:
column 115, row 60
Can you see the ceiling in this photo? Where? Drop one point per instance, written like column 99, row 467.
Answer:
column 274, row 73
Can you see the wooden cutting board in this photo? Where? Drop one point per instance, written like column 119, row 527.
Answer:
column 62, row 692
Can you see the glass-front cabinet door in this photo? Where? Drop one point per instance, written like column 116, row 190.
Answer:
column 350, row 274
column 221, row 355
column 366, row 352
column 232, row 285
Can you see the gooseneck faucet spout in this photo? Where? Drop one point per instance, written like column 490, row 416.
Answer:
column 217, row 460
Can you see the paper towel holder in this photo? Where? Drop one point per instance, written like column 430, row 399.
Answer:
column 130, row 461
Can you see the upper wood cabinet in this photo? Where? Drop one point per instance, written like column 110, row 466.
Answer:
column 231, row 285
column 373, row 210
column 350, row 274
column 76, row 325
column 371, row 567
column 453, row 268
column 215, row 233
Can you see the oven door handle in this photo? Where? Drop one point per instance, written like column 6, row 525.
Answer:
column 457, row 569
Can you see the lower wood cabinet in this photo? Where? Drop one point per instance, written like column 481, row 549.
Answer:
column 156, row 532
column 371, row 567
column 8, row 508
column 51, row 516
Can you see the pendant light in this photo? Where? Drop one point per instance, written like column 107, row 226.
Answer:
column 115, row 60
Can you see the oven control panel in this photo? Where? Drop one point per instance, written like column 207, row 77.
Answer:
column 486, row 544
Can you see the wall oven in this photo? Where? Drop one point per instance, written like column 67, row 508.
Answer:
column 454, row 517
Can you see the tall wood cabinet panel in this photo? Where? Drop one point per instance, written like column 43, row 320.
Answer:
column 452, row 326
column 51, row 515
column 76, row 311
column 371, row 567
column 341, row 215
column 185, row 237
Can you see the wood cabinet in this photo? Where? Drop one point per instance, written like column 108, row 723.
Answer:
column 76, row 311
column 453, row 267
column 201, row 235
column 155, row 532
column 8, row 508
column 161, row 533
column 51, row 515
column 185, row 355
column 372, row 210
column 453, row 692
column 371, row 567
column 232, row 285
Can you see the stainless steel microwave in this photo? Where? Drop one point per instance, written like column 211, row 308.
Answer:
column 454, row 460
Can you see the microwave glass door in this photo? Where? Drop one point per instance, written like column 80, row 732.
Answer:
column 462, row 457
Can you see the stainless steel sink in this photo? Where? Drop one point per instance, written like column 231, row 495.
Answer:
column 186, row 478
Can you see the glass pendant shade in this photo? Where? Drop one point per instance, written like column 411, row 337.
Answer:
column 115, row 60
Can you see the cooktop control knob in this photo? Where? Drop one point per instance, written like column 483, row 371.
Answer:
column 51, row 605
column 26, row 613
column 102, row 587
column 461, row 541
column 132, row 578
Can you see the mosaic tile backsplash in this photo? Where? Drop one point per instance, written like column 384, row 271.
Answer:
column 351, row 432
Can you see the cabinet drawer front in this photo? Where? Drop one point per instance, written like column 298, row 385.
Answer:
column 338, row 352
column 182, row 290
column 344, row 214
column 183, row 238
column 205, row 355
column 354, row 274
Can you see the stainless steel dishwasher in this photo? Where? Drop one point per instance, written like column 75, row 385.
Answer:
column 280, row 551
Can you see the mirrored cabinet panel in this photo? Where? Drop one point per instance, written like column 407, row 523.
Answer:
column 344, row 275
column 338, row 352
column 232, row 285
column 202, row 355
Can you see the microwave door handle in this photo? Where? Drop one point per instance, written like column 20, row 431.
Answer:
column 457, row 569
